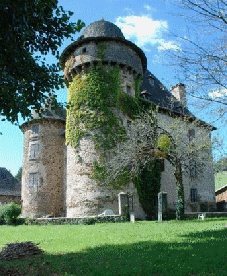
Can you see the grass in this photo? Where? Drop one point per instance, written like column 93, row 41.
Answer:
column 144, row 248
column 220, row 179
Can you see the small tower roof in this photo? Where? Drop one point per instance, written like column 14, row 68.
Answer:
column 101, row 31
column 102, row 28
column 50, row 110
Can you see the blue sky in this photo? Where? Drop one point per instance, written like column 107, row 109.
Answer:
column 145, row 23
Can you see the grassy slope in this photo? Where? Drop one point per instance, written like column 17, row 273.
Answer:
column 144, row 248
column 220, row 179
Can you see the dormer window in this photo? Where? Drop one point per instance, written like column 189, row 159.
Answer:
column 151, row 80
column 35, row 129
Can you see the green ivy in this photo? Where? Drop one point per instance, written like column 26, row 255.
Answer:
column 101, row 50
column 91, row 101
column 164, row 143
column 148, row 184
column 99, row 173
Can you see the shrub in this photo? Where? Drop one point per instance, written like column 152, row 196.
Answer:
column 11, row 213
column 164, row 143
column 2, row 208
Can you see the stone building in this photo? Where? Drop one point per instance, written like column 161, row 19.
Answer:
column 221, row 199
column 56, row 178
column 10, row 188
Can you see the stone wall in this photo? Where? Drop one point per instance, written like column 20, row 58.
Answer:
column 115, row 53
column 221, row 199
column 7, row 199
column 221, row 194
column 84, row 197
column 203, row 178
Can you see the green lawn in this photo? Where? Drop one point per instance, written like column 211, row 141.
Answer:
column 144, row 248
column 220, row 179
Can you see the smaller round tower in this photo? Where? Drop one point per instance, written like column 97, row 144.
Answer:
column 44, row 164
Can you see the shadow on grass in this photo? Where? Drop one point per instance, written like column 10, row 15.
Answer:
column 202, row 253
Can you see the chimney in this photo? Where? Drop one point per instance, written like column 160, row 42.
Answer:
column 179, row 92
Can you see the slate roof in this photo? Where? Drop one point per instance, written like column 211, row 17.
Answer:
column 102, row 28
column 153, row 90
column 49, row 112
column 101, row 31
column 8, row 184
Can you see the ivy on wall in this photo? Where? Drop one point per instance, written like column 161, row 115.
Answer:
column 148, row 184
column 94, row 99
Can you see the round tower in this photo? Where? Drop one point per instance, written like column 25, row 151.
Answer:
column 102, row 44
column 44, row 164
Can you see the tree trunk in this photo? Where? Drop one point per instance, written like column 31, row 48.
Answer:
column 180, row 191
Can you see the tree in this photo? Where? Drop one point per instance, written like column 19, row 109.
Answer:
column 18, row 176
column 203, row 52
column 221, row 165
column 29, row 29
column 148, row 140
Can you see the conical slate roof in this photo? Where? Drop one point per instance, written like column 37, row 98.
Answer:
column 102, row 28
column 50, row 111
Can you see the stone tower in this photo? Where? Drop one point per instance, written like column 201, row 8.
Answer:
column 44, row 164
column 83, row 196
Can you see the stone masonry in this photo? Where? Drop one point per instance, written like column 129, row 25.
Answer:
column 56, row 179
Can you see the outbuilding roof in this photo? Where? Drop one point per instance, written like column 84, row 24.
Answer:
column 8, row 184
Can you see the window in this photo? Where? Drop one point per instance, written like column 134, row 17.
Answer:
column 151, row 80
column 128, row 89
column 191, row 134
column 33, row 179
column 129, row 123
column 193, row 195
column 35, row 129
column 33, row 150
column 84, row 50
column 192, row 168
column 162, row 163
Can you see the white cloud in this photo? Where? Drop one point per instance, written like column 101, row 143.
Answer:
column 145, row 31
column 168, row 45
column 147, row 7
column 218, row 93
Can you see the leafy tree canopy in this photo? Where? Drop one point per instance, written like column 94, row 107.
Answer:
column 19, row 174
column 29, row 28
column 221, row 165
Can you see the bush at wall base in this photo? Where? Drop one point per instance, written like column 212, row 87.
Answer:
column 9, row 213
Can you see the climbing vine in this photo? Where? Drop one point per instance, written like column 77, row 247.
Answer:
column 91, row 102
column 94, row 101
column 148, row 184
